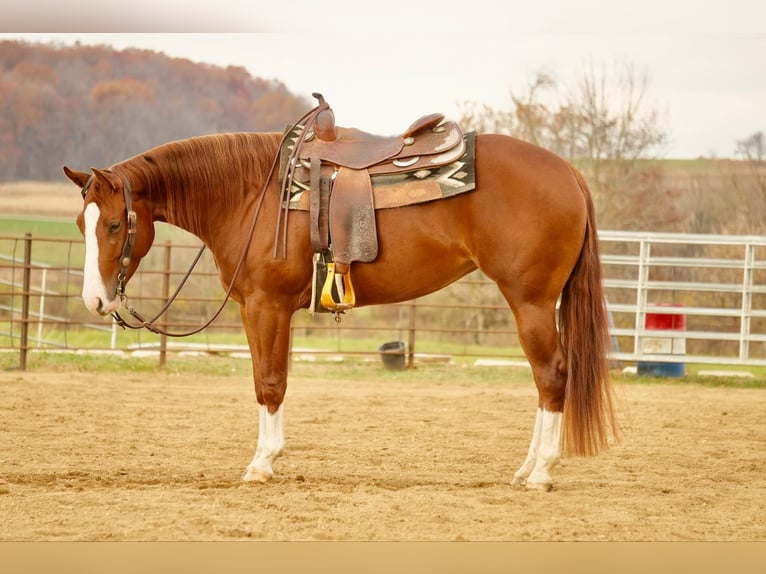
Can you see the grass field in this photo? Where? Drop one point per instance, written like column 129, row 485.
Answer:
column 352, row 367
column 48, row 211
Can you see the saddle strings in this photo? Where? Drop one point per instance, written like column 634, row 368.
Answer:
column 308, row 120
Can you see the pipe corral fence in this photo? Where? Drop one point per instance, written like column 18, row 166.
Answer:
column 672, row 298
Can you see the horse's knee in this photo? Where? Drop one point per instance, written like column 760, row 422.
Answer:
column 272, row 394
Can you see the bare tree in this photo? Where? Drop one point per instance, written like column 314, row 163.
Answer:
column 753, row 151
column 605, row 123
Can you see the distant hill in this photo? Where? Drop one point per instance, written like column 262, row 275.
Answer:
column 93, row 106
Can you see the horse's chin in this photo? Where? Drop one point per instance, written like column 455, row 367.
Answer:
column 105, row 312
column 99, row 307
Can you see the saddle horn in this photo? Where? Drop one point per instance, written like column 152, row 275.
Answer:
column 324, row 124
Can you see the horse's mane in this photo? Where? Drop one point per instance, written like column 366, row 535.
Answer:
column 199, row 177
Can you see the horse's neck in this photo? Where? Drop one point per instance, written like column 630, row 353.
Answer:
column 214, row 197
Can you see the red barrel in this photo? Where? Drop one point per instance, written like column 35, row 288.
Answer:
column 664, row 344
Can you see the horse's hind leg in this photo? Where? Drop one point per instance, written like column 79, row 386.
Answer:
column 540, row 341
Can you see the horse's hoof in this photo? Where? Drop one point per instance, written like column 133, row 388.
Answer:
column 255, row 475
column 544, row 486
column 518, row 481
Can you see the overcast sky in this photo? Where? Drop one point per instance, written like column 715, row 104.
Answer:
column 380, row 68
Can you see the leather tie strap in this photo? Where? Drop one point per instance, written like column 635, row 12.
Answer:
column 314, row 198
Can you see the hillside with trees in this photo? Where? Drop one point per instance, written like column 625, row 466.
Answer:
column 93, row 105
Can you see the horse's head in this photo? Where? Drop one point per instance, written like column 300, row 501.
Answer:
column 118, row 231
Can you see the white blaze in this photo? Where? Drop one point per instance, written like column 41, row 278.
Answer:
column 93, row 288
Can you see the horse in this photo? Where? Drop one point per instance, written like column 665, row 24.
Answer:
column 529, row 225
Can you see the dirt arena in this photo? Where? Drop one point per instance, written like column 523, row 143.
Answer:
column 100, row 456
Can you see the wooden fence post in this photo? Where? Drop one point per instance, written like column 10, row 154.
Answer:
column 25, row 294
column 411, row 337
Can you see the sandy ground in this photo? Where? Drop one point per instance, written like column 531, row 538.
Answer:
column 94, row 456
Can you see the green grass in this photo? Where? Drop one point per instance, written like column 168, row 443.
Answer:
column 61, row 251
column 80, row 338
column 39, row 227
column 692, row 375
column 353, row 368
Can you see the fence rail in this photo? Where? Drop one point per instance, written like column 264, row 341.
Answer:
column 714, row 285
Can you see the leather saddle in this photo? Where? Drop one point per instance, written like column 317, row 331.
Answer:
column 337, row 163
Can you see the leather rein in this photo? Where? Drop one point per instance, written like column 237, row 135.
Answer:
column 130, row 239
column 125, row 260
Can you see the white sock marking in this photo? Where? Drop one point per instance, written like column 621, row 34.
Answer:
column 271, row 443
column 529, row 463
column 544, row 449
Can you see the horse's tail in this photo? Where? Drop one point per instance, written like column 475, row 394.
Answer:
column 583, row 326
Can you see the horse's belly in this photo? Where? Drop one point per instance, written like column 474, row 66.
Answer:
column 408, row 276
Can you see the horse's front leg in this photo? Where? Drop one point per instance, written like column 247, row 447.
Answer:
column 268, row 335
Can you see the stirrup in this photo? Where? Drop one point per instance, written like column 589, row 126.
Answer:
column 345, row 291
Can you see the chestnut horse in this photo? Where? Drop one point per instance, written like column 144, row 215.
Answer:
column 528, row 225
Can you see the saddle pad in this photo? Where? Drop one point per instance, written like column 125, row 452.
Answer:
column 400, row 189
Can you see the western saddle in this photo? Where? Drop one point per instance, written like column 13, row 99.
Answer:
column 337, row 164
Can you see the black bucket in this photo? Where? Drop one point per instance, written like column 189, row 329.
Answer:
column 393, row 356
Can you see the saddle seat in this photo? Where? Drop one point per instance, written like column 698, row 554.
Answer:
column 337, row 164
column 357, row 149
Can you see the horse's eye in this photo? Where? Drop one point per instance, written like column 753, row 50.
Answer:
column 114, row 226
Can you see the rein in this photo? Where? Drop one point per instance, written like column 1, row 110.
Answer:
column 127, row 251
column 130, row 239
column 308, row 120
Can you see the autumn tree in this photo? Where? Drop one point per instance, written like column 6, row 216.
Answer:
column 93, row 105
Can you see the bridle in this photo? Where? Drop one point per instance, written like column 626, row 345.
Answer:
column 126, row 257
column 130, row 239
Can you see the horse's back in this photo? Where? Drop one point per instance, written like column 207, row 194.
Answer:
column 527, row 210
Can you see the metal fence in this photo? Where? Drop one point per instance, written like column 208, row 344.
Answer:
column 671, row 298
column 699, row 296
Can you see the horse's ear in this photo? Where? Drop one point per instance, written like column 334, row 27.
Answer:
column 107, row 176
column 79, row 178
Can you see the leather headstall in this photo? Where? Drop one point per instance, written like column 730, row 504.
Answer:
column 130, row 238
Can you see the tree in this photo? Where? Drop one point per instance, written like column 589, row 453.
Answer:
column 604, row 123
column 93, row 105
column 753, row 151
